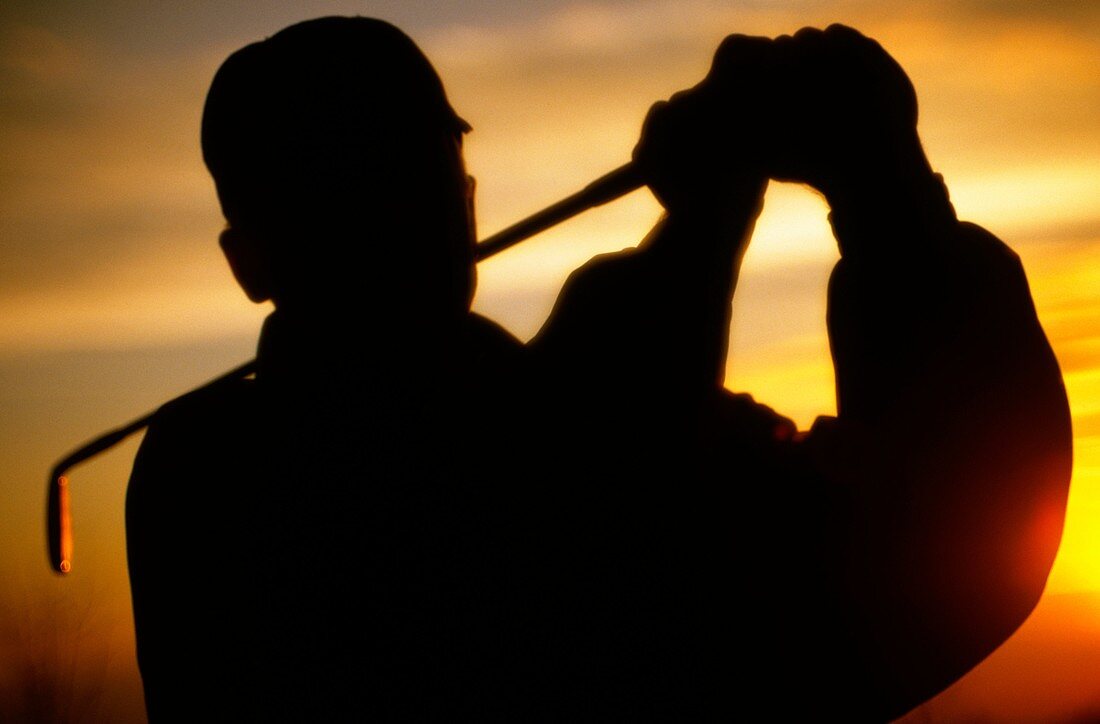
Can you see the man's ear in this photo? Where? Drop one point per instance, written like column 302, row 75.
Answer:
column 250, row 265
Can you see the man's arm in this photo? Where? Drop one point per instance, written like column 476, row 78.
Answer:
column 164, row 590
column 659, row 315
column 189, row 650
column 943, row 479
column 952, row 446
column 951, row 452
column 629, row 362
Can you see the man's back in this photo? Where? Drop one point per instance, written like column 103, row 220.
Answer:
column 307, row 545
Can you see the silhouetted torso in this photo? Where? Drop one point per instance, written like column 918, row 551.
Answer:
column 417, row 518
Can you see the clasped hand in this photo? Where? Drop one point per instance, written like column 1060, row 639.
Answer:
column 829, row 108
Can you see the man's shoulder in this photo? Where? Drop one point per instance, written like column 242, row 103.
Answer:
column 491, row 347
column 210, row 404
column 491, row 335
column 185, row 461
column 196, row 426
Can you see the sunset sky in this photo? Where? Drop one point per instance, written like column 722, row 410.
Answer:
column 114, row 296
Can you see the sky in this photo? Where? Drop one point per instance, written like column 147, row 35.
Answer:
column 114, row 296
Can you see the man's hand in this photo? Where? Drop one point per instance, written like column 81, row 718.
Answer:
column 845, row 114
column 706, row 144
column 829, row 108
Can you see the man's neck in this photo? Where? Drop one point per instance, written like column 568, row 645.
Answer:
column 331, row 350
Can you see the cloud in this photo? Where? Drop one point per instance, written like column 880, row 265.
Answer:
column 38, row 53
column 101, row 180
column 99, row 161
column 1072, row 13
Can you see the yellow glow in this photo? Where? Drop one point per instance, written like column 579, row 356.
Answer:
column 129, row 312
column 1029, row 197
column 1065, row 282
column 793, row 229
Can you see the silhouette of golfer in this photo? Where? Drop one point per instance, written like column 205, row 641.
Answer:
column 333, row 540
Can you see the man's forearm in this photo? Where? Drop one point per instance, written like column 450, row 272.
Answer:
column 661, row 311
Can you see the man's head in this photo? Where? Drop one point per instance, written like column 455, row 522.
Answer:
column 337, row 159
